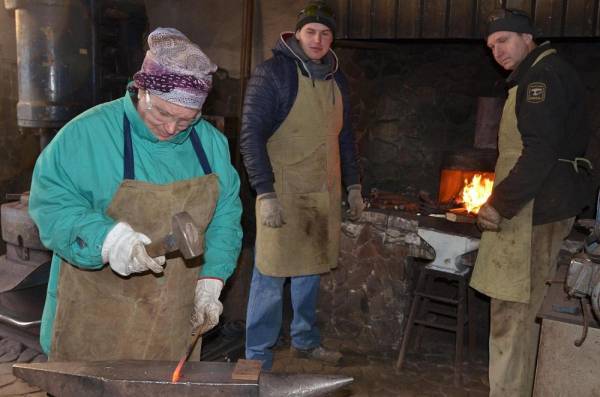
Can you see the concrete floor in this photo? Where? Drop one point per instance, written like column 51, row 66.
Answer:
column 428, row 373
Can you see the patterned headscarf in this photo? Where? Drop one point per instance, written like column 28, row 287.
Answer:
column 175, row 69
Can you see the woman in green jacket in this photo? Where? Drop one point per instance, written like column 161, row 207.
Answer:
column 107, row 185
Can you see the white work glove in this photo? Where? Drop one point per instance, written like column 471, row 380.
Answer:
column 271, row 211
column 355, row 202
column 207, row 307
column 488, row 218
column 123, row 249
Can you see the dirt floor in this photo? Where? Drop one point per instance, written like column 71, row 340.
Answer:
column 428, row 373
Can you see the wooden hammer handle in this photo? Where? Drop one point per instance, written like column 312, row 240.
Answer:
column 163, row 246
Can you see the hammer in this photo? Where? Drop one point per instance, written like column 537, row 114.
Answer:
column 185, row 237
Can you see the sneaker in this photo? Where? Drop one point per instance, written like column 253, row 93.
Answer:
column 318, row 353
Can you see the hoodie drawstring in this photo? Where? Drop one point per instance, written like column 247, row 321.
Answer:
column 332, row 91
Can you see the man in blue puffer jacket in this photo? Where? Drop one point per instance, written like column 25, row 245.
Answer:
column 298, row 146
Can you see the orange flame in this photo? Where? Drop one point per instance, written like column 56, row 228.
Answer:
column 476, row 192
column 177, row 373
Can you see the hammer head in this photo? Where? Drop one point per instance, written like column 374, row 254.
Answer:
column 187, row 235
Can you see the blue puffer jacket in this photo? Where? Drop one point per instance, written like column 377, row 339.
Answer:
column 270, row 94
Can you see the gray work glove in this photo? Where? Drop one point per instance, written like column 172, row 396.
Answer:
column 207, row 307
column 271, row 211
column 123, row 249
column 355, row 202
column 488, row 218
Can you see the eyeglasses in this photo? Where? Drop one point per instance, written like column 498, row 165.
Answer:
column 164, row 117
column 501, row 13
column 317, row 10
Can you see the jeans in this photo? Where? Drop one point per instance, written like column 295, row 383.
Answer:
column 265, row 311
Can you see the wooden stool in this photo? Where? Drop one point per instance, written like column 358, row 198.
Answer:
column 422, row 306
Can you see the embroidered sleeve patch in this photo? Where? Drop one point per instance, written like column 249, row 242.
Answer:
column 536, row 92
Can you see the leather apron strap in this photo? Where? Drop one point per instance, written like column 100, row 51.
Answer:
column 503, row 266
column 305, row 156
column 103, row 316
column 129, row 169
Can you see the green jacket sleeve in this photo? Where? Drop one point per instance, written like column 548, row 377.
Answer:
column 223, row 239
column 64, row 215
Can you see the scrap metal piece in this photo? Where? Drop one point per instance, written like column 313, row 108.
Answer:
column 151, row 378
column 585, row 305
column 581, row 276
column 27, row 261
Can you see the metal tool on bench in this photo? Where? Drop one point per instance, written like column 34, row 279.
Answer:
column 24, row 272
column 184, row 237
column 153, row 378
column 583, row 276
column 380, row 199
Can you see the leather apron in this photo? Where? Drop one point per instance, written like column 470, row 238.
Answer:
column 305, row 156
column 101, row 315
column 503, row 267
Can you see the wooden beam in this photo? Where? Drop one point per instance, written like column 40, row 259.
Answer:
column 434, row 18
column 548, row 17
column 408, row 19
column 460, row 19
column 383, row 21
column 359, row 24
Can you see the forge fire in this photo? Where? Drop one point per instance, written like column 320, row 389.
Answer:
column 475, row 192
column 465, row 189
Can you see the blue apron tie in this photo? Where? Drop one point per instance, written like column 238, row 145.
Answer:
column 200, row 152
column 129, row 171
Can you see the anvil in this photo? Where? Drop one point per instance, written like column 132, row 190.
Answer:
column 153, row 378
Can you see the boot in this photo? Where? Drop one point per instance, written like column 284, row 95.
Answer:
column 318, row 353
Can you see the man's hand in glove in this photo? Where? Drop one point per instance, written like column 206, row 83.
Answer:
column 488, row 218
column 207, row 307
column 123, row 249
column 271, row 211
column 355, row 201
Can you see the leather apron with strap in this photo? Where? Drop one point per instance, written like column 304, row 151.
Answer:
column 103, row 316
column 305, row 156
column 502, row 270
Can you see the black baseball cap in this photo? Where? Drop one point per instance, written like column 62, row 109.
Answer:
column 509, row 20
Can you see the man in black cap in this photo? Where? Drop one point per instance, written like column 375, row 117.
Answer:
column 541, row 184
column 298, row 146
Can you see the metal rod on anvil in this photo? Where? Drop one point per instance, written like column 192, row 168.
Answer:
column 148, row 378
column 194, row 339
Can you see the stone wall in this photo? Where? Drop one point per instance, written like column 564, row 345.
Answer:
column 364, row 302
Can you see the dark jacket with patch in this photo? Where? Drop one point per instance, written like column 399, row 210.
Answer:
column 270, row 95
column 551, row 119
